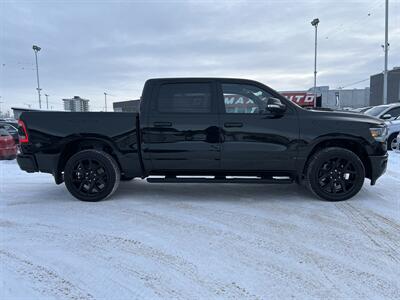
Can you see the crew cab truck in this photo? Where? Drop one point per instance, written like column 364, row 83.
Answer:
column 205, row 130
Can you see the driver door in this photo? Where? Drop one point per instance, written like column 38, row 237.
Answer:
column 254, row 139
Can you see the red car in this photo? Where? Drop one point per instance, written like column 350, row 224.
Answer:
column 8, row 149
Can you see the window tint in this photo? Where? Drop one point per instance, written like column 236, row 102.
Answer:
column 3, row 132
column 395, row 112
column 9, row 128
column 184, row 98
column 376, row 110
column 244, row 99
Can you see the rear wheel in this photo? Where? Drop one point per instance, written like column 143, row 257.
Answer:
column 91, row 175
column 335, row 174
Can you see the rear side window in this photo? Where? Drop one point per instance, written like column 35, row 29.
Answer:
column 184, row 98
column 3, row 132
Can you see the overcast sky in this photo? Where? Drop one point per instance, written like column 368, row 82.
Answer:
column 92, row 47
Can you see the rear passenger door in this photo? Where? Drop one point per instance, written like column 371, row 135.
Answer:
column 183, row 127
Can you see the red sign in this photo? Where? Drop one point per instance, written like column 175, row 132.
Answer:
column 300, row 98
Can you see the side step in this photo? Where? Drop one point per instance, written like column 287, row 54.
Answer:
column 171, row 179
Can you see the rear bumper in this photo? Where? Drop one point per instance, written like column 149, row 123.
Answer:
column 45, row 163
column 378, row 166
column 27, row 163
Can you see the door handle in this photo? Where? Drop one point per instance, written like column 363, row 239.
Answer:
column 233, row 124
column 162, row 124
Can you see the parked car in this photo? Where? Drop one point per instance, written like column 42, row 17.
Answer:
column 8, row 149
column 362, row 109
column 12, row 130
column 226, row 130
column 384, row 112
column 393, row 131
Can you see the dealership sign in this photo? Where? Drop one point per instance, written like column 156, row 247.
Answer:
column 300, row 98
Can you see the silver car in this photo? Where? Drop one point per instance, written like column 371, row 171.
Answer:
column 393, row 131
column 384, row 112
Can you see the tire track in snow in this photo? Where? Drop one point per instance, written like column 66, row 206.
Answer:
column 43, row 279
column 373, row 230
column 95, row 243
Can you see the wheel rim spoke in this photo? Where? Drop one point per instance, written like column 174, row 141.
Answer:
column 89, row 177
column 337, row 175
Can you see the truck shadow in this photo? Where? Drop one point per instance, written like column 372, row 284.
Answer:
column 140, row 189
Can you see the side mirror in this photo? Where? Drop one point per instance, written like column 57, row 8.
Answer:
column 275, row 106
column 386, row 116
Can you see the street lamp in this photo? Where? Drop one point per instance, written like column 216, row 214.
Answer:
column 386, row 47
column 315, row 23
column 105, row 101
column 47, row 101
column 36, row 49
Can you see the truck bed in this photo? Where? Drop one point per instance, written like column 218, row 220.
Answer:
column 52, row 131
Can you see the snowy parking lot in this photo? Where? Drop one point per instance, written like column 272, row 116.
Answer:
column 194, row 241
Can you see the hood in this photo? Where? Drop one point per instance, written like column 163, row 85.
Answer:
column 345, row 116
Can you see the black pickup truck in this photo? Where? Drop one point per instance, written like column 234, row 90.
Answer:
column 211, row 130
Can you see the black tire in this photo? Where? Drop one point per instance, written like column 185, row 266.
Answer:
column 91, row 175
column 126, row 178
column 335, row 174
column 390, row 140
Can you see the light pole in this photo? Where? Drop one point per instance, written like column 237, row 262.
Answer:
column 385, row 72
column 315, row 23
column 47, row 101
column 105, row 101
column 36, row 49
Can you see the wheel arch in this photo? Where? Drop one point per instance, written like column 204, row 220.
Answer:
column 352, row 144
column 83, row 143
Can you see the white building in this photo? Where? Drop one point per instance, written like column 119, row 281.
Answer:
column 339, row 98
column 76, row 104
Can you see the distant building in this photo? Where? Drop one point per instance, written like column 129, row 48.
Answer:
column 126, row 106
column 393, row 88
column 76, row 104
column 335, row 98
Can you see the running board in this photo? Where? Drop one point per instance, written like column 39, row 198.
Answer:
column 277, row 180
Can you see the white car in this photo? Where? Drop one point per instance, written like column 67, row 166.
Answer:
column 384, row 112
column 393, row 132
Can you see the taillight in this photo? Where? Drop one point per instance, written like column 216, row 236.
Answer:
column 23, row 134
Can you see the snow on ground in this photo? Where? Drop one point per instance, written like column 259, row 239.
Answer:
column 197, row 241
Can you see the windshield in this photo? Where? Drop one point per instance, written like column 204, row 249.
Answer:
column 375, row 111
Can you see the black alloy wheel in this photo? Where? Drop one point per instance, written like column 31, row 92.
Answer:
column 91, row 175
column 335, row 174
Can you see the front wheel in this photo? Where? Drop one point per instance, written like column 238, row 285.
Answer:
column 335, row 174
column 392, row 142
column 91, row 175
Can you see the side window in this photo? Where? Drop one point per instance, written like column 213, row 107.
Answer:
column 244, row 99
column 395, row 112
column 10, row 128
column 3, row 132
column 184, row 98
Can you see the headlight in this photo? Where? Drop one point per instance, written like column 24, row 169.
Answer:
column 379, row 133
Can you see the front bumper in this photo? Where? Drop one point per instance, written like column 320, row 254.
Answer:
column 378, row 166
column 27, row 163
